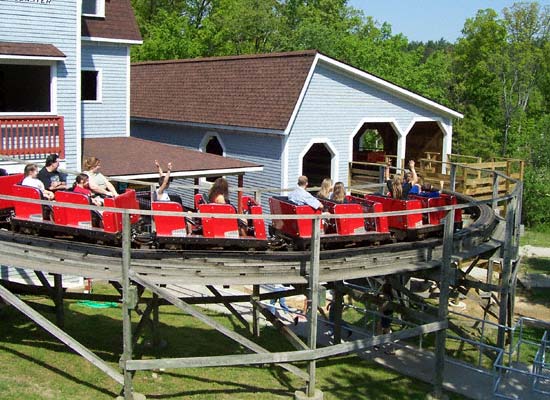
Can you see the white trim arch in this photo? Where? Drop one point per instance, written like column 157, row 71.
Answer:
column 401, row 135
column 447, row 131
column 332, row 150
column 206, row 139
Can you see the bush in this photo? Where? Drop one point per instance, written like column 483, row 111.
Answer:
column 536, row 199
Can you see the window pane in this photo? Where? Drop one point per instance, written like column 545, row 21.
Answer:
column 89, row 85
column 24, row 88
column 89, row 7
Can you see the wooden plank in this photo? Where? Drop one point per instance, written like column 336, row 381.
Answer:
column 60, row 335
column 288, row 356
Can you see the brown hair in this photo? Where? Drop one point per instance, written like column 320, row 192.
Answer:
column 30, row 168
column 339, row 192
column 91, row 162
column 220, row 186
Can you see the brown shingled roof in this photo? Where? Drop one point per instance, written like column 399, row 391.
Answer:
column 30, row 49
column 258, row 91
column 123, row 156
column 119, row 22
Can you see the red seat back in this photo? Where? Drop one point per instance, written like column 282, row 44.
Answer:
column 376, row 224
column 402, row 222
column 166, row 225
column 200, row 199
column 292, row 227
column 249, row 206
column 6, row 188
column 24, row 210
column 72, row 216
column 219, row 227
column 112, row 221
column 346, row 226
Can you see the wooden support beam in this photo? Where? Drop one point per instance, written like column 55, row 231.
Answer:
column 10, row 298
column 288, row 356
column 443, row 310
column 228, row 305
column 182, row 305
column 58, row 300
column 126, row 306
column 255, row 311
column 313, row 283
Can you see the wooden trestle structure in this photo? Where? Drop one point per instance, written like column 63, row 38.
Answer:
column 135, row 271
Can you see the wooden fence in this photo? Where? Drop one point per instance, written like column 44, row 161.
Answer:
column 32, row 137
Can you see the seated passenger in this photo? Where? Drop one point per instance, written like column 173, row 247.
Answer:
column 98, row 183
column 219, row 194
column 400, row 186
column 326, row 189
column 31, row 173
column 81, row 185
column 339, row 193
column 301, row 196
column 164, row 182
column 49, row 175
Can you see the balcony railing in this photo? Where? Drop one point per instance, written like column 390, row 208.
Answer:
column 32, row 137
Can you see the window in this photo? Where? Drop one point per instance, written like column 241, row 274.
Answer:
column 25, row 88
column 91, row 85
column 93, row 8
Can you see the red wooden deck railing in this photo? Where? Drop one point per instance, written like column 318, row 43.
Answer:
column 32, row 137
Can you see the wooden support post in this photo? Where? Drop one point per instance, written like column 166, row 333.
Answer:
column 126, row 306
column 503, row 317
column 443, row 310
column 495, row 191
column 155, row 321
column 240, row 184
column 58, row 300
column 229, row 306
column 453, row 178
column 255, row 311
column 313, row 299
column 337, row 303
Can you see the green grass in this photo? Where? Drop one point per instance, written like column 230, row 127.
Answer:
column 534, row 238
column 37, row 366
column 535, row 265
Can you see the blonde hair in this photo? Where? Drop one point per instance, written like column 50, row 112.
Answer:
column 339, row 192
column 91, row 162
column 326, row 188
column 397, row 187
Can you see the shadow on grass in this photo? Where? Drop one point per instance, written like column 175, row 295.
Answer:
column 58, row 371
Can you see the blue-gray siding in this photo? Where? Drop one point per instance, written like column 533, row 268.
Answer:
column 257, row 148
column 333, row 106
column 54, row 23
column 107, row 117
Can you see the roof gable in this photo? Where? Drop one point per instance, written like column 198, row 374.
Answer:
column 119, row 23
column 258, row 91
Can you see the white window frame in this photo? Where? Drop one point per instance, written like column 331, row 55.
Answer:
column 99, row 86
column 100, row 10
column 53, row 84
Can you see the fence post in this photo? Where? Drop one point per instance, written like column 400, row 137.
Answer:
column 443, row 310
column 452, row 178
column 495, row 191
column 126, row 306
column 503, row 316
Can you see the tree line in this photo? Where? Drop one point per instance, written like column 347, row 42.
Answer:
column 497, row 73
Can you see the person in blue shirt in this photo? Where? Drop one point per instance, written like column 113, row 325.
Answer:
column 300, row 196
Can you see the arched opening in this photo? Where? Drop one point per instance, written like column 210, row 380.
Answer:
column 316, row 164
column 374, row 141
column 424, row 140
column 213, row 146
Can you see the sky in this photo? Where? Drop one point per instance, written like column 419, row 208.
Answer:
column 423, row 20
